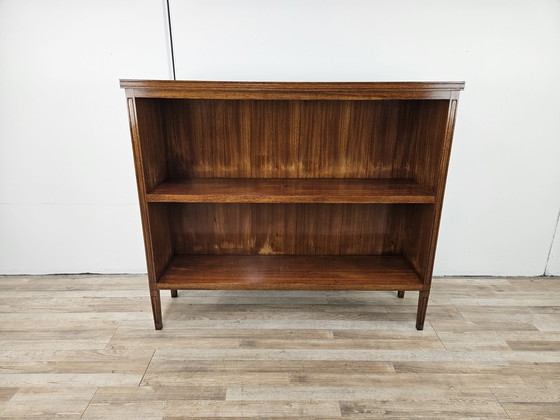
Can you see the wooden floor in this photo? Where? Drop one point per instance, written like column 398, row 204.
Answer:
column 84, row 347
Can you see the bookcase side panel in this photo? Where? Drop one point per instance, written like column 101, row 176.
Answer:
column 151, row 142
column 149, row 158
column 421, row 134
column 429, row 142
column 433, row 133
column 443, row 166
column 163, row 248
column 413, row 226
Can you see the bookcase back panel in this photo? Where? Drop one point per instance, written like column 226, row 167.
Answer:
column 296, row 139
column 291, row 229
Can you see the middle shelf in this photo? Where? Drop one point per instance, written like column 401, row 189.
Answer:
column 291, row 190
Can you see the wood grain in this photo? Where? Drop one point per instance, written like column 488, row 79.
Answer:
column 262, row 354
column 271, row 229
column 148, row 139
column 289, row 272
column 304, row 139
column 308, row 169
column 289, row 190
column 149, row 161
column 291, row 90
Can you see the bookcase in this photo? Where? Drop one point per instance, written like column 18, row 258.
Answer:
column 291, row 186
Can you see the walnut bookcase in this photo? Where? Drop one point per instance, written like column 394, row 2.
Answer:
column 316, row 186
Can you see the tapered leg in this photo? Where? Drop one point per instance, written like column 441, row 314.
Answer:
column 156, row 308
column 173, row 292
column 400, row 293
column 422, row 306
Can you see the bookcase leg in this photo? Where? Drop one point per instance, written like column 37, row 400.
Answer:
column 422, row 306
column 156, row 309
column 400, row 293
column 173, row 293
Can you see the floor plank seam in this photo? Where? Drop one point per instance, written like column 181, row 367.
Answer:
column 340, row 408
column 346, row 359
column 499, row 402
column 439, row 338
column 147, row 367
column 89, row 402
column 111, row 338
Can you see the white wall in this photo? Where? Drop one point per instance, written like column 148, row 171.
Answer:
column 553, row 266
column 67, row 194
column 67, row 187
column 503, row 191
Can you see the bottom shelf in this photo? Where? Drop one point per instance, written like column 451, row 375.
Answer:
column 289, row 272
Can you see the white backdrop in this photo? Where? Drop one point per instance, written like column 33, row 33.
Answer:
column 67, row 183
column 67, row 194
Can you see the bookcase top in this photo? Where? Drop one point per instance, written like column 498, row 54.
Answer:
column 190, row 89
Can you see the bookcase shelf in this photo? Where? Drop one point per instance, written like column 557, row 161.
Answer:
column 288, row 272
column 291, row 186
column 290, row 190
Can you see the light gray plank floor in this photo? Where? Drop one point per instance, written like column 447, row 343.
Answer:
column 84, row 347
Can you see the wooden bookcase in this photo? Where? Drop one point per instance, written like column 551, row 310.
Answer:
column 315, row 186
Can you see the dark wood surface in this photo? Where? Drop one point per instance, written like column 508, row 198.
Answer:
column 291, row 171
column 290, row 90
column 301, row 139
column 441, row 167
column 287, row 272
column 157, row 240
column 290, row 190
column 151, row 159
column 267, row 229
column 420, row 139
